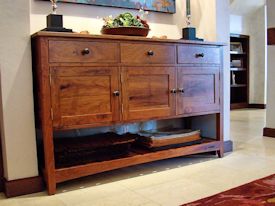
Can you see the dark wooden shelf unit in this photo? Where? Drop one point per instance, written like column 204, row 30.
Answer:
column 88, row 81
column 240, row 69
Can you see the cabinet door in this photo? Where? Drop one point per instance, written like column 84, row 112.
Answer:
column 84, row 96
column 147, row 92
column 198, row 90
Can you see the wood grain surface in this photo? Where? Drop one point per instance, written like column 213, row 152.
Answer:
column 84, row 81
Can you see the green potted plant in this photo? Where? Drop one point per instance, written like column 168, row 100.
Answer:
column 125, row 24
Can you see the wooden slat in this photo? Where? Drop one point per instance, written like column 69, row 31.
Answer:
column 43, row 98
column 101, row 124
column 119, row 37
column 94, row 168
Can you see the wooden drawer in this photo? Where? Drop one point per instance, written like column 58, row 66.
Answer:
column 188, row 54
column 82, row 51
column 148, row 53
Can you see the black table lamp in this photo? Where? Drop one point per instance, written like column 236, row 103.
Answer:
column 189, row 32
column 55, row 21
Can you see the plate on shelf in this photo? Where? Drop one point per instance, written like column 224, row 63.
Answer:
column 127, row 31
column 236, row 48
column 162, row 138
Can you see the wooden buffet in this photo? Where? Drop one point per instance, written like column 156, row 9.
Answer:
column 84, row 81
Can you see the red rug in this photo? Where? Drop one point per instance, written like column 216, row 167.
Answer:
column 257, row 193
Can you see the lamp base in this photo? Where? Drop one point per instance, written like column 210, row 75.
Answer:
column 57, row 29
column 189, row 33
column 54, row 20
column 55, row 24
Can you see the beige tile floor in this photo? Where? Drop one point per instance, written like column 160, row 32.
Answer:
column 175, row 181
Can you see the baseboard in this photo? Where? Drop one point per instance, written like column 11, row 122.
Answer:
column 269, row 132
column 238, row 106
column 228, row 146
column 23, row 186
column 257, row 106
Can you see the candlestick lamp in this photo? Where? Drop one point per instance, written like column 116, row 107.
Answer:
column 189, row 32
column 55, row 21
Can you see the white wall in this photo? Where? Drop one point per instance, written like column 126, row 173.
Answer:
column 258, row 69
column 17, row 120
column 270, row 117
column 20, row 18
column 204, row 18
column 223, row 35
column 238, row 24
column 85, row 17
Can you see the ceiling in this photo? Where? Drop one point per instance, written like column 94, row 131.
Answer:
column 245, row 7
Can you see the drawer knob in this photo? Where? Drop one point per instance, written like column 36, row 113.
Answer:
column 150, row 53
column 86, row 51
column 181, row 90
column 173, row 91
column 116, row 93
column 200, row 55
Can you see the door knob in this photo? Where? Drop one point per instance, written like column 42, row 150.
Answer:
column 200, row 55
column 86, row 51
column 116, row 93
column 150, row 53
column 181, row 90
column 173, row 91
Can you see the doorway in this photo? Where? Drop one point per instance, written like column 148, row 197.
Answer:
column 248, row 52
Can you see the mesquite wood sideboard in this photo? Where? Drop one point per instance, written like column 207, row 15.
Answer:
column 85, row 81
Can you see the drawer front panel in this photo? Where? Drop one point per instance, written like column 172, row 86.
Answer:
column 148, row 53
column 189, row 54
column 82, row 51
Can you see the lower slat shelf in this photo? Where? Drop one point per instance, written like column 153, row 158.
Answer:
column 74, row 172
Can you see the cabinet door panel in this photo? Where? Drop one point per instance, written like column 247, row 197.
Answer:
column 146, row 92
column 200, row 90
column 84, row 95
column 84, row 105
